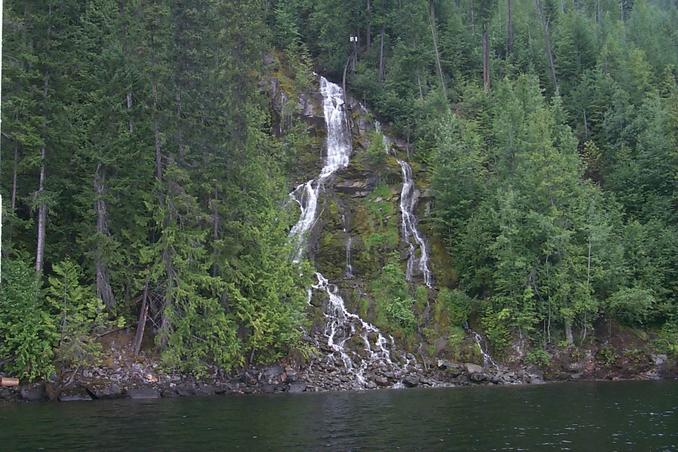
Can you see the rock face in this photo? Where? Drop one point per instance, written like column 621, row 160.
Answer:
column 34, row 393
column 74, row 395
column 143, row 393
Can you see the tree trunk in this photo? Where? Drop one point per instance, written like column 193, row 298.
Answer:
column 129, row 111
column 368, row 32
column 141, row 324
column 439, row 67
column 103, row 285
column 42, row 215
column 381, row 55
column 486, row 60
column 156, row 133
column 509, row 28
column 568, row 333
column 547, row 43
column 14, row 179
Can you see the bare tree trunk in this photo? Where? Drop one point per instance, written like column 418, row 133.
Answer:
column 368, row 33
column 156, row 133
column 141, row 324
column 103, row 285
column 486, row 60
column 381, row 54
column 129, row 110
column 509, row 28
column 14, row 173
column 432, row 19
column 568, row 333
column 42, row 215
column 547, row 43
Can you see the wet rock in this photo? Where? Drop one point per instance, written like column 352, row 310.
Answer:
column 8, row 394
column 34, row 393
column 205, row 390
column 296, row 388
column 169, row 393
column 74, row 395
column 411, row 381
column 478, row 377
column 143, row 393
column 473, row 368
column 381, row 381
column 659, row 360
column 109, row 391
column 268, row 389
column 185, row 390
column 272, row 373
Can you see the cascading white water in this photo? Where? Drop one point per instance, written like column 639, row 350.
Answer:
column 338, row 153
column 341, row 325
column 487, row 359
column 409, row 228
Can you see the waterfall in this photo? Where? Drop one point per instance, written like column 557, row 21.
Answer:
column 487, row 359
column 341, row 325
column 409, row 228
column 338, row 153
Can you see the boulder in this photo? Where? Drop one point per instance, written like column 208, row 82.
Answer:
column 143, row 393
column 185, row 389
column 381, row 381
column 205, row 390
column 107, row 391
column 296, row 388
column 411, row 381
column 74, row 395
column 34, row 392
column 268, row 389
column 473, row 368
column 478, row 377
column 272, row 373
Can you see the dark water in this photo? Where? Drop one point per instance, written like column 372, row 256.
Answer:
column 580, row 416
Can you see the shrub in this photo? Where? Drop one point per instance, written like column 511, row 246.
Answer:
column 79, row 314
column 27, row 331
column 538, row 357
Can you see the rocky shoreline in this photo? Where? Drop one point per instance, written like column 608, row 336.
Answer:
column 145, row 381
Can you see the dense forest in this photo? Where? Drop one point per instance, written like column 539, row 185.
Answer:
column 142, row 172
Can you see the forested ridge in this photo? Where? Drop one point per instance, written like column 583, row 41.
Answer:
column 144, row 171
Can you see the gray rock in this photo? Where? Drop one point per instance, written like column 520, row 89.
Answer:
column 478, row 377
column 381, row 381
column 473, row 368
column 205, row 390
column 268, row 389
column 143, row 393
column 74, row 395
column 34, row 393
column 109, row 391
column 411, row 381
column 185, row 390
column 296, row 388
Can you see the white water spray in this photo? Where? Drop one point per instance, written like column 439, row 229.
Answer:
column 410, row 233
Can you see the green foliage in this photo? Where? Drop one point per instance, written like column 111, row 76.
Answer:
column 667, row 341
column 28, row 332
column 496, row 327
column 452, row 308
column 79, row 316
column 393, row 301
column 632, row 305
column 538, row 357
column 607, row 356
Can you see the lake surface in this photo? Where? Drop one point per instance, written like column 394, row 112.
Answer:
column 596, row 416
